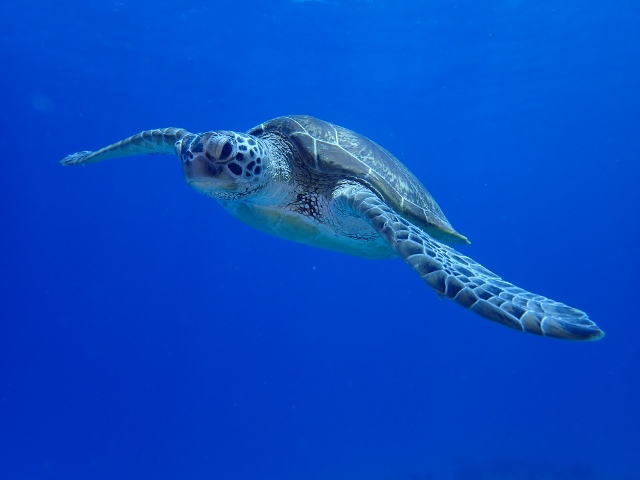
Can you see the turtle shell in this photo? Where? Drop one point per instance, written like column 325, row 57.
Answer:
column 332, row 150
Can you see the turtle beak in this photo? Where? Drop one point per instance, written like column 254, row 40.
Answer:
column 200, row 172
column 195, row 165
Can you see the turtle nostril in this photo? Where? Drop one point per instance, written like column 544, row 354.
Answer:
column 186, row 156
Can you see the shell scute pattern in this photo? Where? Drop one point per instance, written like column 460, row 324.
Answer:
column 315, row 129
column 337, row 152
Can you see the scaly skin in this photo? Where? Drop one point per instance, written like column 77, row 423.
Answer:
column 465, row 281
column 158, row 141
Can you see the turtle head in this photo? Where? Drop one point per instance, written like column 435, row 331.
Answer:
column 222, row 164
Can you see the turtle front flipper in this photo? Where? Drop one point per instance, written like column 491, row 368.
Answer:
column 158, row 141
column 466, row 282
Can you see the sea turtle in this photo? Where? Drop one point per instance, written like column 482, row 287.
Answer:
column 313, row 182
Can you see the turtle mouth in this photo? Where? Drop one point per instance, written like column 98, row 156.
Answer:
column 204, row 175
column 213, row 187
column 210, row 182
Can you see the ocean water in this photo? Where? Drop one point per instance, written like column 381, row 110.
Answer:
column 145, row 333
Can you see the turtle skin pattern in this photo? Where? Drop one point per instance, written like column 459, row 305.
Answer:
column 158, row 141
column 465, row 281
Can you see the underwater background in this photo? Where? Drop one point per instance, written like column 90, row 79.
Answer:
column 145, row 333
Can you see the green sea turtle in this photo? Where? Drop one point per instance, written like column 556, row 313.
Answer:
column 312, row 182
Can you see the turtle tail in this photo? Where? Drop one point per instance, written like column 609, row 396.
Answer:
column 149, row 142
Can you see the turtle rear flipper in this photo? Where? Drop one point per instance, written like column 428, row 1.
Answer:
column 149, row 142
column 468, row 283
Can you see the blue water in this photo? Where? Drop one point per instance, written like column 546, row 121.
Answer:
column 145, row 333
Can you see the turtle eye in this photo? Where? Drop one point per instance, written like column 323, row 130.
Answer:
column 220, row 148
column 226, row 151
